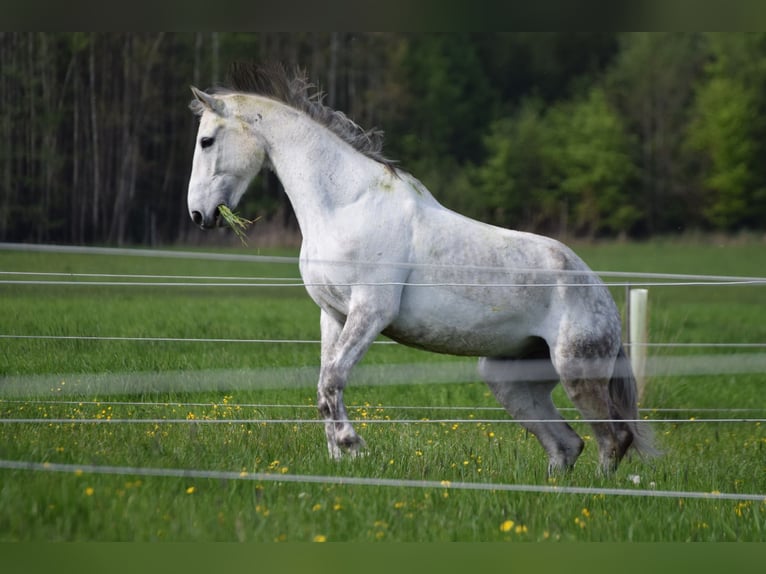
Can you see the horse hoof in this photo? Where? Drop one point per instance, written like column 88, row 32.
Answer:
column 558, row 468
column 352, row 446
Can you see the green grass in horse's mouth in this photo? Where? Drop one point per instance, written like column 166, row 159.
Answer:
column 238, row 224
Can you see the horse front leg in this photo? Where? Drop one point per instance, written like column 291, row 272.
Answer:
column 343, row 346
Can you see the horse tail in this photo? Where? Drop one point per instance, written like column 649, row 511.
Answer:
column 623, row 392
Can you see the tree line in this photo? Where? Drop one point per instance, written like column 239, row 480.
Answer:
column 576, row 134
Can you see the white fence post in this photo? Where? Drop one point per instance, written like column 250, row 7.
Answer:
column 638, row 325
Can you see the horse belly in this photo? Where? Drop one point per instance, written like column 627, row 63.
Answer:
column 450, row 322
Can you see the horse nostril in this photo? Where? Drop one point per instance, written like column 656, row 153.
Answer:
column 197, row 217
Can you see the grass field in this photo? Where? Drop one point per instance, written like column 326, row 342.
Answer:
column 212, row 407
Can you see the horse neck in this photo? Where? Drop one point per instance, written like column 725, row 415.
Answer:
column 319, row 172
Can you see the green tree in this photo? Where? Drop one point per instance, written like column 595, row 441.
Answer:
column 450, row 101
column 548, row 65
column 560, row 132
column 728, row 129
column 591, row 154
column 651, row 82
column 564, row 169
column 515, row 177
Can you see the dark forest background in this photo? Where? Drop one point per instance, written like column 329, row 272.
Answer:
column 570, row 134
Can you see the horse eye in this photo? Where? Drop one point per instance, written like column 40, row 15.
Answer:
column 206, row 142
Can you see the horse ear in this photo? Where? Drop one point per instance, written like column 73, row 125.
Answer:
column 209, row 102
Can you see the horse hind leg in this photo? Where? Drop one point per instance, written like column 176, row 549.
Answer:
column 591, row 397
column 586, row 383
column 523, row 387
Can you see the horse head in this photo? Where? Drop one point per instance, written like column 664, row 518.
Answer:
column 228, row 154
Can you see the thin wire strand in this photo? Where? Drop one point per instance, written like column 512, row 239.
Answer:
column 317, row 341
column 158, row 253
column 143, row 276
column 357, row 421
column 526, row 285
column 367, row 481
column 376, row 407
column 170, row 339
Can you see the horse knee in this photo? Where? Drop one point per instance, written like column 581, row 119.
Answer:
column 329, row 392
column 323, row 405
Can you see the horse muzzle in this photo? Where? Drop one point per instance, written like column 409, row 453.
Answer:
column 206, row 221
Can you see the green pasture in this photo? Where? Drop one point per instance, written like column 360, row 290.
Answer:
column 244, row 387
